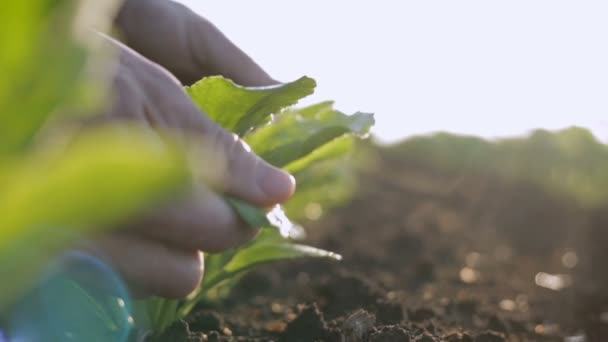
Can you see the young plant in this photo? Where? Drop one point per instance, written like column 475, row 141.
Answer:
column 58, row 187
column 297, row 140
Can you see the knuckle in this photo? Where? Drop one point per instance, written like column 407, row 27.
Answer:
column 205, row 222
column 222, row 228
column 238, row 154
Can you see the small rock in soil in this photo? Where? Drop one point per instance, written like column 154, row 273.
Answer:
column 206, row 321
column 357, row 326
column 430, row 327
column 275, row 326
column 308, row 326
column 390, row 333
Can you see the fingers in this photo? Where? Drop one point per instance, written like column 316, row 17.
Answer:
column 186, row 44
column 145, row 92
column 201, row 221
column 228, row 163
column 151, row 267
column 249, row 177
column 214, row 53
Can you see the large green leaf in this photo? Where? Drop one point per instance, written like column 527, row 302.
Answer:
column 238, row 109
column 293, row 135
column 215, row 263
column 267, row 252
column 269, row 246
column 53, row 195
column 42, row 63
column 253, row 216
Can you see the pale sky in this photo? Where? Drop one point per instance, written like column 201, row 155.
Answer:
column 484, row 67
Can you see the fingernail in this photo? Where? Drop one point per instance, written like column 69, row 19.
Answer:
column 277, row 184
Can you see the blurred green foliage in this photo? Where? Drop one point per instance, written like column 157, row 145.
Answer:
column 570, row 162
column 57, row 184
column 42, row 64
column 53, row 195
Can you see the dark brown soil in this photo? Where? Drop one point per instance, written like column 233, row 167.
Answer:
column 429, row 256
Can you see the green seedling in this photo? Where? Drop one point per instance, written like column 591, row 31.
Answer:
column 58, row 186
column 297, row 140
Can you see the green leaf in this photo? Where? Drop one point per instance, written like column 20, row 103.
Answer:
column 156, row 314
column 332, row 150
column 267, row 252
column 293, row 135
column 313, row 110
column 168, row 313
column 253, row 216
column 237, row 108
column 215, row 263
column 56, row 194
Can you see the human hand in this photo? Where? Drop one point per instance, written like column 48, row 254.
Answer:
column 184, row 43
column 159, row 253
